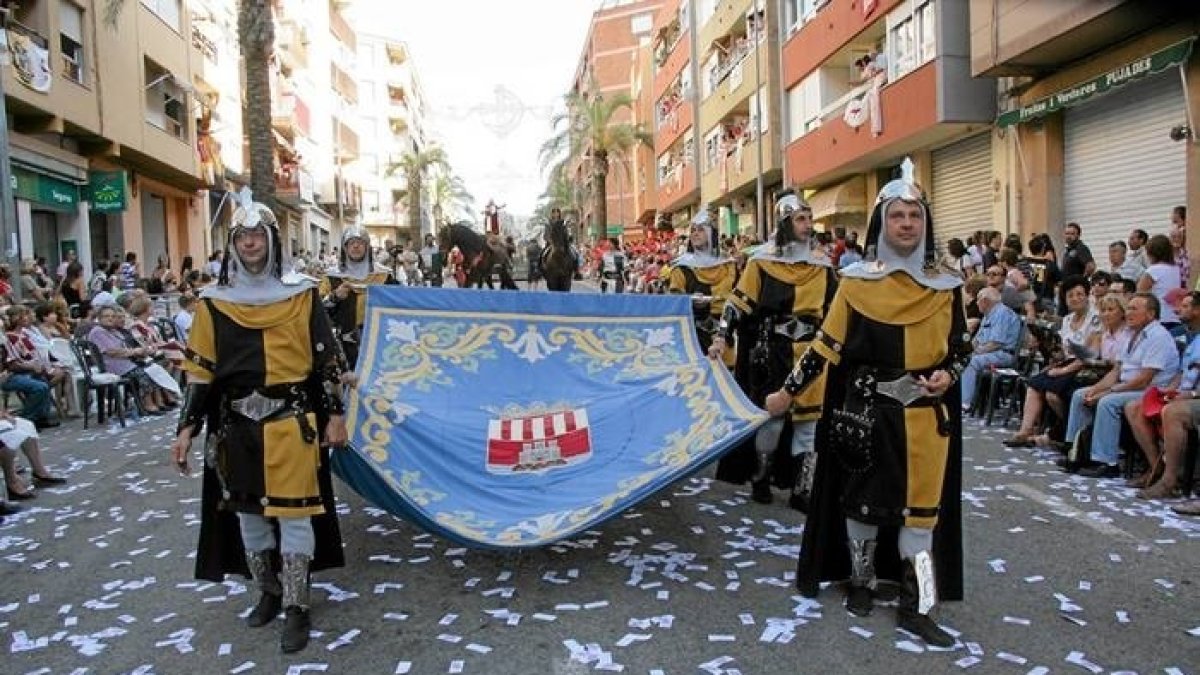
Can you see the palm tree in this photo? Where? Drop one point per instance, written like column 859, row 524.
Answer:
column 412, row 166
column 587, row 128
column 256, row 39
column 448, row 196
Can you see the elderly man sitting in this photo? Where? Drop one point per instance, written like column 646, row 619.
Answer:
column 996, row 343
column 1150, row 359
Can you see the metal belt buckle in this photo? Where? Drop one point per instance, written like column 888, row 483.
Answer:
column 795, row 329
column 904, row 389
column 257, row 407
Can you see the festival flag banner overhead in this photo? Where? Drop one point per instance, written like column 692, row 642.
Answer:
column 511, row 420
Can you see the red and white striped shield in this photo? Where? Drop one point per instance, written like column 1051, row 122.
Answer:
column 538, row 442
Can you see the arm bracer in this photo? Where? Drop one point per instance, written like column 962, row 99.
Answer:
column 807, row 370
column 731, row 316
column 195, row 408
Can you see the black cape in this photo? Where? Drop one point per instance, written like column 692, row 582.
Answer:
column 221, row 551
column 823, row 550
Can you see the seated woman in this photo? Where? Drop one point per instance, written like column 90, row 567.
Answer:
column 16, row 432
column 1081, row 330
column 27, row 345
column 57, row 373
column 166, row 352
column 119, row 356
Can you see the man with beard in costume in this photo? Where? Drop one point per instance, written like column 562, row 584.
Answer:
column 264, row 375
column 344, row 292
column 895, row 342
column 775, row 310
column 706, row 276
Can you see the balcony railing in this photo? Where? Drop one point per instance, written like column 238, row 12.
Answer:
column 290, row 113
column 204, row 44
column 341, row 28
column 742, row 48
column 345, row 139
column 343, row 83
column 292, row 40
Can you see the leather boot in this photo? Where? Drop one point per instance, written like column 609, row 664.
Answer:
column 862, row 577
column 909, row 615
column 803, row 485
column 263, row 569
column 296, row 623
column 765, row 441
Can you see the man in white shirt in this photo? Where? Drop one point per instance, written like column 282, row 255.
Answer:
column 1137, row 248
column 1120, row 264
column 1150, row 359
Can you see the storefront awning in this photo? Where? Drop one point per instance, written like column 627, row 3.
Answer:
column 45, row 191
column 846, row 197
column 1150, row 64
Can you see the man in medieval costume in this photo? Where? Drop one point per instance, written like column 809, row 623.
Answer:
column 344, row 292
column 264, row 376
column 707, row 276
column 895, row 342
column 779, row 302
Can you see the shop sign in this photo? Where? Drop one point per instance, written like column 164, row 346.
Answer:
column 46, row 191
column 1151, row 64
column 106, row 191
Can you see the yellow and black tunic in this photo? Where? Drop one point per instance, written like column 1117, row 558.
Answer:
column 715, row 281
column 282, row 351
column 908, row 473
column 878, row 331
column 348, row 314
column 781, row 304
column 776, row 300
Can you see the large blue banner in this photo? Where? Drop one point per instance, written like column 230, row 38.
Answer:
column 508, row 420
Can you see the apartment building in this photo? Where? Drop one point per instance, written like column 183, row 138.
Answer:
column 1099, row 101
column 739, row 117
column 224, row 162
column 315, row 117
column 103, row 131
column 641, row 164
column 869, row 82
column 617, row 30
column 392, row 121
column 676, row 102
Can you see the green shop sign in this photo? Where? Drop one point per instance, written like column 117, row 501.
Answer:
column 51, row 193
column 1157, row 62
column 106, row 191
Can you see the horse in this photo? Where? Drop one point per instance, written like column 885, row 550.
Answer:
column 480, row 254
column 558, row 261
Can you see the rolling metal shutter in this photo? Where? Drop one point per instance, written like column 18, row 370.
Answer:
column 962, row 189
column 1121, row 169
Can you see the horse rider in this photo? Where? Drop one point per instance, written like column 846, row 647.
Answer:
column 779, row 302
column 344, row 291
column 706, row 276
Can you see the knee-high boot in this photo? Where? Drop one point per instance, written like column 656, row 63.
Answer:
column 295, row 602
column 862, row 577
column 765, row 442
column 803, row 485
column 265, row 572
column 914, row 587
